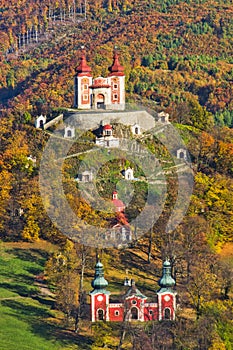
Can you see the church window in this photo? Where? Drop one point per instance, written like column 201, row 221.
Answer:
column 117, row 313
column 85, row 86
column 167, row 314
column 100, row 315
column 151, row 312
column 69, row 133
column 85, row 97
column 115, row 96
column 134, row 313
column 181, row 155
column 115, row 86
column 134, row 302
column 41, row 124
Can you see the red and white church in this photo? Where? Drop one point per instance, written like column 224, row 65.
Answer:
column 99, row 93
column 134, row 305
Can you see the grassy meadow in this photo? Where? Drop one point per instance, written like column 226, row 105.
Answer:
column 28, row 320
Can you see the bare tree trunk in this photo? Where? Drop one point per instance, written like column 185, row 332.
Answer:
column 123, row 333
column 149, row 246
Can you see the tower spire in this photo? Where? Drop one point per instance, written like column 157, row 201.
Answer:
column 83, row 67
column 99, row 282
column 116, row 68
column 167, row 281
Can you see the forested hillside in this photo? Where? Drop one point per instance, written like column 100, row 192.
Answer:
column 178, row 57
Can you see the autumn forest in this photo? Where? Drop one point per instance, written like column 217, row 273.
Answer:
column 178, row 58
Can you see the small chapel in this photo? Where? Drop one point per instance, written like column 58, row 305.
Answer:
column 133, row 306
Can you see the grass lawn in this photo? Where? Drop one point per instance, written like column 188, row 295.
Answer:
column 28, row 320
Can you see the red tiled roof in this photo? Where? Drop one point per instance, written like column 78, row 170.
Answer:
column 118, row 204
column 116, row 68
column 83, row 66
column 109, row 127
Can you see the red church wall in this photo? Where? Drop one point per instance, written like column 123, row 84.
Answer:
column 116, row 312
column 134, row 301
column 169, row 304
column 151, row 312
column 100, row 304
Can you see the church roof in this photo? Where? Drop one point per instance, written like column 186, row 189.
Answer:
column 133, row 291
column 99, row 283
column 166, row 281
column 107, row 127
column 117, row 202
column 83, row 67
column 116, row 68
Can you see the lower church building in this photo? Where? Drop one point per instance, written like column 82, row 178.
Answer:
column 134, row 305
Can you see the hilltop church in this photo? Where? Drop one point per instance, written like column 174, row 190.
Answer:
column 99, row 93
column 100, row 101
column 133, row 306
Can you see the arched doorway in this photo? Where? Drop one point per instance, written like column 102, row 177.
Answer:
column 167, row 314
column 118, row 236
column 100, row 315
column 41, row 123
column 134, row 313
column 100, row 101
column 181, row 155
column 69, row 133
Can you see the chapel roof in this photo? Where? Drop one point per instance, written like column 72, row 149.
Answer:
column 133, row 291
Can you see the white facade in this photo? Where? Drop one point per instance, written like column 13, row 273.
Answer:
column 69, row 132
column 107, row 142
column 128, row 174
column 136, row 129
column 163, row 118
column 40, row 121
column 181, row 153
column 86, row 176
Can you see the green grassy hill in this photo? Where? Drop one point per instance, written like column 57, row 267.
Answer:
column 28, row 320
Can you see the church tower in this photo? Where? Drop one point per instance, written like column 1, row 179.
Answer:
column 166, row 294
column 82, row 82
column 117, row 81
column 99, row 295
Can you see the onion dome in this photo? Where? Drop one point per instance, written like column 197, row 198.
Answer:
column 116, row 68
column 99, row 283
column 167, row 281
column 83, row 68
